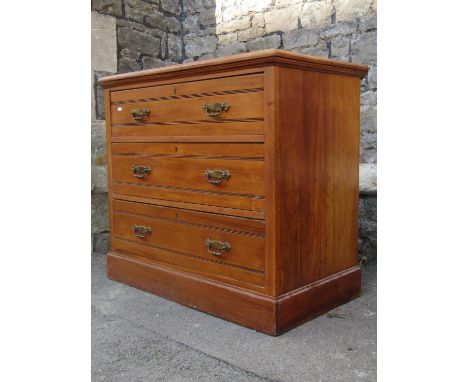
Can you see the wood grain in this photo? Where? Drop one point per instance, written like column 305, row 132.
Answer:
column 246, row 226
column 247, row 250
column 203, row 129
column 317, row 182
column 212, row 270
column 242, row 106
column 253, row 204
column 247, row 176
column 236, row 83
column 190, row 205
column 212, row 150
column 253, row 138
column 312, row 300
column 246, row 308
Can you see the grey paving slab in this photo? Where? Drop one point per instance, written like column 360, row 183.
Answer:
column 137, row 336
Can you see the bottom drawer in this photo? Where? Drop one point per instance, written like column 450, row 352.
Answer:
column 207, row 244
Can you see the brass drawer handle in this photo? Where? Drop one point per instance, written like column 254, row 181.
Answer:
column 215, row 109
column 139, row 114
column 141, row 231
column 141, row 171
column 217, row 176
column 216, row 247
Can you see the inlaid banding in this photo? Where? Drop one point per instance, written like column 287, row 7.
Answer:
column 197, row 225
column 195, row 122
column 185, row 96
column 188, row 255
column 198, row 191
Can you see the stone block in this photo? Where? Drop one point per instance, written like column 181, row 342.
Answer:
column 128, row 65
column 368, row 149
column 110, row 7
column 367, row 24
column 340, row 47
column 208, row 31
column 193, row 6
column 369, row 98
column 103, row 43
column 233, row 25
column 93, row 97
column 228, row 13
column 338, row 29
column 364, row 48
column 368, row 178
column 268, row 42
column 316, row 14
column 130, row 24
column 99, row 213
column 190, row 23
column 174, row 47
column 152, row 62
column 287, row 3
column 230, row 49
column 368, row 227
column 349, row 9
column 160, row 21
column 320, row 50
column 206, row 56
column 209, row 3
column 100, row 242
column 129, row 53
column 256, row 29
column 368, row 118
column 100, row 111
column 224, row 39
column 171, row 6
column 372, row 78
column 257, row 6
column 98, row 157
column 300, row 38
column 207, row 17
column 196, row 46
column 282, row 20
column 135, row 40
column 136, row 10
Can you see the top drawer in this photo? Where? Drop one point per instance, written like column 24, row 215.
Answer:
column 223, row 106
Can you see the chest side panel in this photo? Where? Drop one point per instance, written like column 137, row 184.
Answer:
column 317, row 176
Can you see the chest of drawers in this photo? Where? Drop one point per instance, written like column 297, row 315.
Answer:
column 233, row 185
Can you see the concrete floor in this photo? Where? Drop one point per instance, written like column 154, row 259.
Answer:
column 137, row 336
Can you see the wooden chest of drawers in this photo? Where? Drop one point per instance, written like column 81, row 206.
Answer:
column 233, row 185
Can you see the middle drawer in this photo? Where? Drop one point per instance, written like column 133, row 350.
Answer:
column 225, row 175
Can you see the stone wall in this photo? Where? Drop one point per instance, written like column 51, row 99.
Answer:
column 154, row 33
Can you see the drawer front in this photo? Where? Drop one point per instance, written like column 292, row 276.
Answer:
column 225, row 175
column 193, row 240
column 232, row 105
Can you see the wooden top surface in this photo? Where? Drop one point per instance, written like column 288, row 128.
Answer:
column 238, row 62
